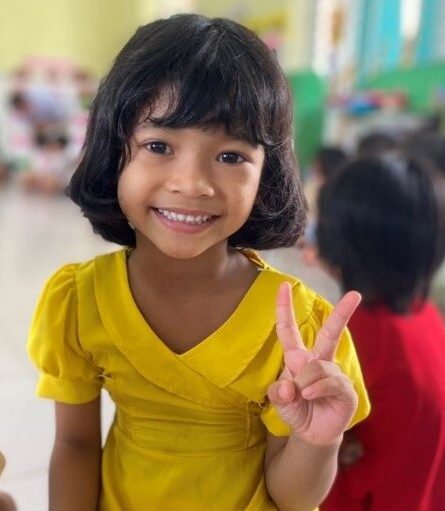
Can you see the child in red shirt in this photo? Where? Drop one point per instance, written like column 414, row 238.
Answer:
column 381, row 232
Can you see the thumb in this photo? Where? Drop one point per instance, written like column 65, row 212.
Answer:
column 281, row 392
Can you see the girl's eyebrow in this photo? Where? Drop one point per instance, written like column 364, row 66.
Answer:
column 147, row 123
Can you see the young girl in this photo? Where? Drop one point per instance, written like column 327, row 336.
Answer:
column 188, row 163
column 381, row 231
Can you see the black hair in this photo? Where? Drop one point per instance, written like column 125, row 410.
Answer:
column 330, row 159
column 376, row 143
column 215, row 72
column 381, row 224
column 428, row 145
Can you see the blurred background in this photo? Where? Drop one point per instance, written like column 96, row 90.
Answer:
column 356, row 67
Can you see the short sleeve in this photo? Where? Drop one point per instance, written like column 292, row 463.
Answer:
column 345, row 357
column 67, row 373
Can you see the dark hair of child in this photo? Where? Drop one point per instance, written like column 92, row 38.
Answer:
column 381, row 225
column 376, row 143
column 329, row 160
column 214, row 72
column 428, row 145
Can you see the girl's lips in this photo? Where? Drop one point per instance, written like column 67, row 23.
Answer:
column 182, row 211
column 183, row 226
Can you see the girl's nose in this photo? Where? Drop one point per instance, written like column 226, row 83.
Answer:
column 192, row 179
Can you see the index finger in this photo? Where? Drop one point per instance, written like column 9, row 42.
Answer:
column 329, row 334
column 286, row 325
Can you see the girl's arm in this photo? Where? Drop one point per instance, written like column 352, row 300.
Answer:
column 316, row 400
column 74, row 476
column 298, row 475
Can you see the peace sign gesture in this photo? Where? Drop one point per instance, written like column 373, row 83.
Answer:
column 312, row 394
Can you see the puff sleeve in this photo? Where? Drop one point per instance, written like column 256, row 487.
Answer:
column 67, row 372
column 345, row 357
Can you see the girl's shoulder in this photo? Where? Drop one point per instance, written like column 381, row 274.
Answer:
column 72, row 289
column 310, row 307
column 73, row 275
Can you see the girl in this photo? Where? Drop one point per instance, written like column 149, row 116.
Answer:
column 188, row 163
column 381, row 231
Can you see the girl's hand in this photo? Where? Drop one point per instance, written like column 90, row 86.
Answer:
column 312, row 395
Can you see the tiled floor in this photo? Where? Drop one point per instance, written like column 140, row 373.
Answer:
column 36, row 236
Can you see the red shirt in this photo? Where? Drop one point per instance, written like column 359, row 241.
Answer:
column 403, row 363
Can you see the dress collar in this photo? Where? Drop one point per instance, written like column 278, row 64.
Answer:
column 220, row 358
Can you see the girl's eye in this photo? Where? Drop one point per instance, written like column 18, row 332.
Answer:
column 231, row 158
column 158, row 147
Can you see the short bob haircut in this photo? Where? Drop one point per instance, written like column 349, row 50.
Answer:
column 215, row 72
column 381, row 225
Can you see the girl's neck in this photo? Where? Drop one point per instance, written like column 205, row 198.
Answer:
column 214, row 282
column 152, row 266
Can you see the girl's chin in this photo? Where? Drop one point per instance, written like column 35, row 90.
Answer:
column 181, row 252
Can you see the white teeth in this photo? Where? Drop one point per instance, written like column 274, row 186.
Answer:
column 187, row 219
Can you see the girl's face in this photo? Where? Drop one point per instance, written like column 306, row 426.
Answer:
column 186, row 190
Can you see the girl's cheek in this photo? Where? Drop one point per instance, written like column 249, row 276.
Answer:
column 121, row 194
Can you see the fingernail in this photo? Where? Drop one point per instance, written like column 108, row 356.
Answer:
column 307, row 393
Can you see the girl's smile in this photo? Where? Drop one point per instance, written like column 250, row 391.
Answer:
column 182, row 220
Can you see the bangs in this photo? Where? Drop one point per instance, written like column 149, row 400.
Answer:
column 182, row 104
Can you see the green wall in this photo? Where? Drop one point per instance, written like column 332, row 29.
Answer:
column 420, row 83
column 309, row 92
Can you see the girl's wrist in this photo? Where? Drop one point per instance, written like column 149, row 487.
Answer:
column 300, row 442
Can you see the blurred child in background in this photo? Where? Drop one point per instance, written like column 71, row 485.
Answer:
column 45, row 125
column 377, row 142
column 431, row 145
column 381, row 232
column 20, row 132
column 326, row 161
column 50, row 166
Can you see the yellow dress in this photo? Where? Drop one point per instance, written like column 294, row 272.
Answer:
column 189, row 431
